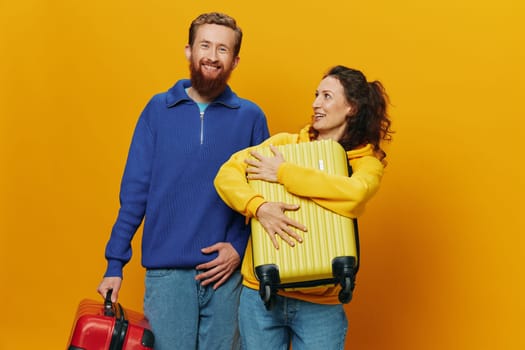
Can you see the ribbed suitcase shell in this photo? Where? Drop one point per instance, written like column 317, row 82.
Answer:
column 329, row 234
column 93, row 330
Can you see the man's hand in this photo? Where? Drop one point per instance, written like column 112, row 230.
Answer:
column 276, row 223
column 221, row 268
column 110, row 283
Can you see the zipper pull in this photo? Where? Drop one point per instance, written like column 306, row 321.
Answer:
column 202, row 127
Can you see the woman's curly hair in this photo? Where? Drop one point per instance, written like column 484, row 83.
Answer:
column 369, row 121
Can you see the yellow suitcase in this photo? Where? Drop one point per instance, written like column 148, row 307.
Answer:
column 330, row 248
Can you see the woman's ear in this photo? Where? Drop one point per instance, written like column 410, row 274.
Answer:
column 350, row 112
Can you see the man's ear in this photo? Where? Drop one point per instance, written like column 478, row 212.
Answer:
column 187, row 52
column 236, row 62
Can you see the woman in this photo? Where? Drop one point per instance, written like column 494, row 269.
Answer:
column 347, row 109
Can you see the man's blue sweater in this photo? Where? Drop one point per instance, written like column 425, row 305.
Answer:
column 168, row 181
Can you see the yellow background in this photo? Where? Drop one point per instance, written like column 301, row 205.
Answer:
column 442, row 244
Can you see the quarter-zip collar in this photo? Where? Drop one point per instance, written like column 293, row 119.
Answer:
column 176, row 95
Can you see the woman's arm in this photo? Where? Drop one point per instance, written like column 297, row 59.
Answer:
column 342, row 194
column 231, row 183
column 232, row 186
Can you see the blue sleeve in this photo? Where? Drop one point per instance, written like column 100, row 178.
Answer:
column 133, row 196
column 260, row 132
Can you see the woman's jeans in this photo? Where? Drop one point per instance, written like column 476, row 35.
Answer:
column 185, row 315
column 307, row 326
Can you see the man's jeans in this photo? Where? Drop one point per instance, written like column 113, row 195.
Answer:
column 185, row 315
column 306, row 325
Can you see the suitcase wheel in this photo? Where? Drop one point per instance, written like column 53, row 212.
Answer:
column 268, row 276
column 267, row 296
column 345, row 295
column 343, row 268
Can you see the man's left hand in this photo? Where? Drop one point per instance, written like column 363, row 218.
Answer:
column 221, row 268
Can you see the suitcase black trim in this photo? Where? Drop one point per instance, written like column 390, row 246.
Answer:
column 344, row 270
column 120, row 329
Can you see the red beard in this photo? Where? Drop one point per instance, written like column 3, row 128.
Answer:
column 208, row 87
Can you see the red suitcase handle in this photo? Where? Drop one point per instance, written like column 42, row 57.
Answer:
column 109, row 308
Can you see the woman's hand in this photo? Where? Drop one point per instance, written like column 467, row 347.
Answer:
column 271, row 215
column 264, row 168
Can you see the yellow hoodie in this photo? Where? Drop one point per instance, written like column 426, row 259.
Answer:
column 344, row 195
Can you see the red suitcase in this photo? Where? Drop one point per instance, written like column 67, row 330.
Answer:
column 107, row 326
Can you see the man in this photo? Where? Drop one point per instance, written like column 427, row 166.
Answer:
column 192, row 242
